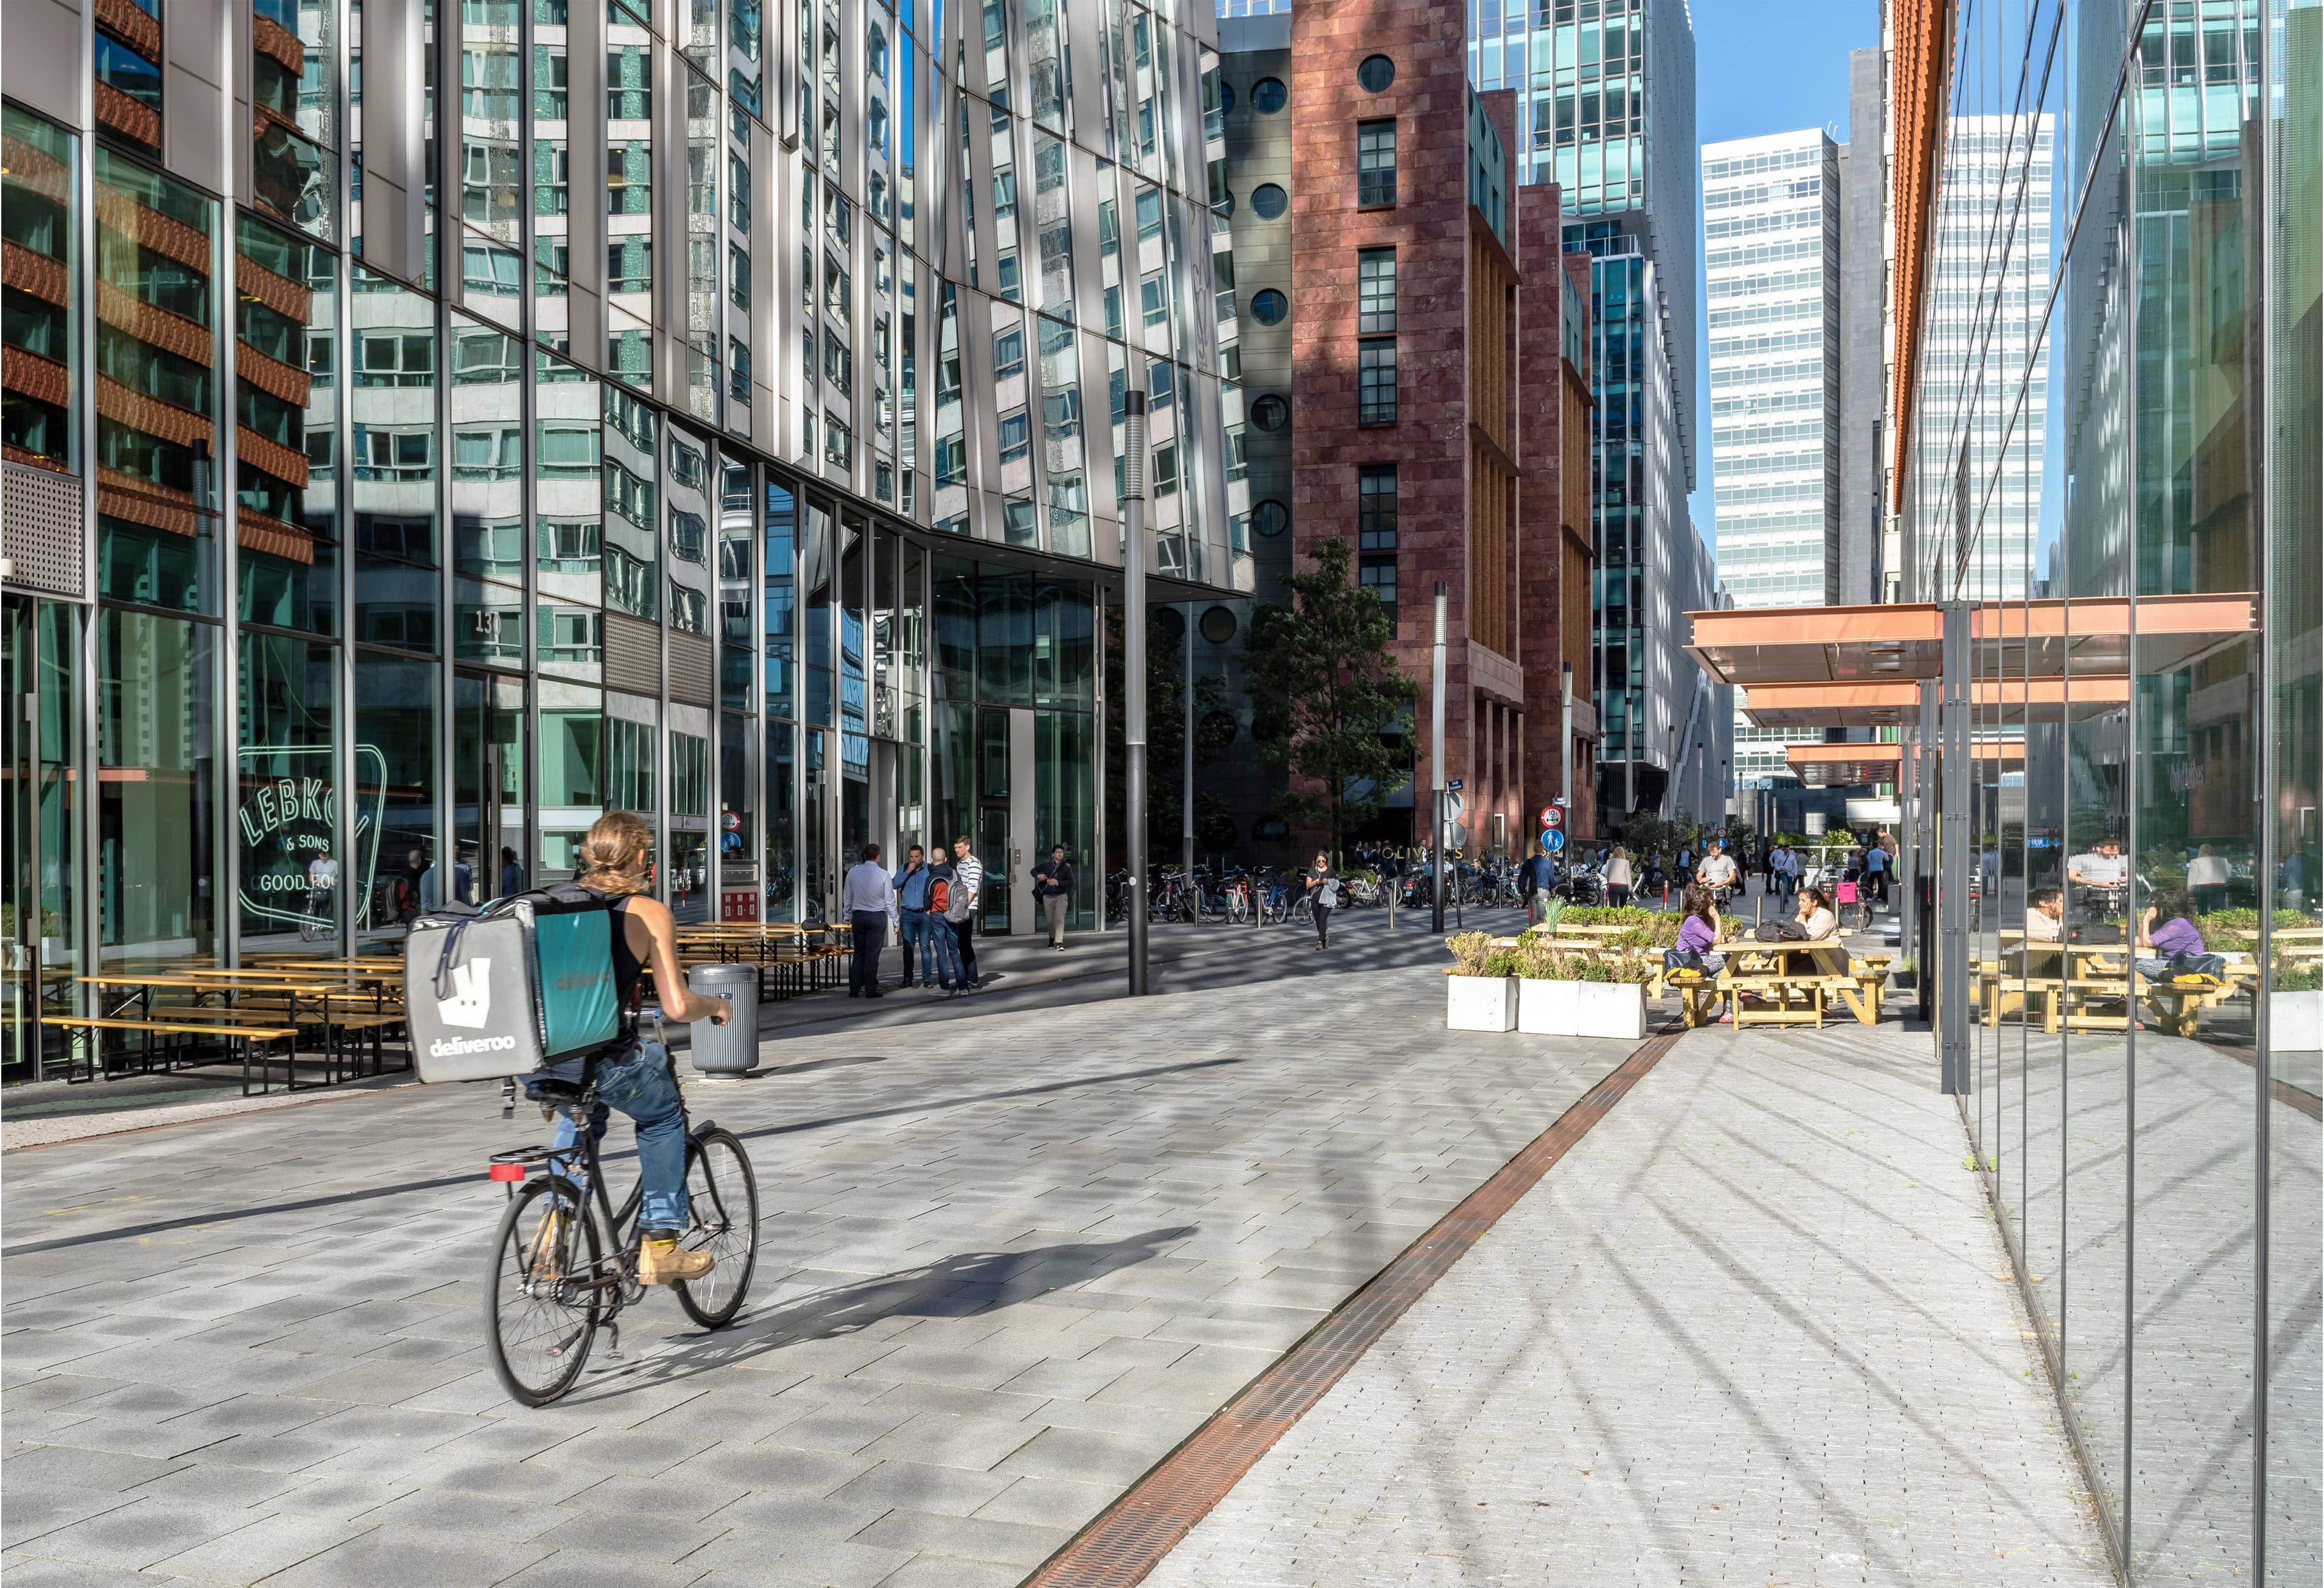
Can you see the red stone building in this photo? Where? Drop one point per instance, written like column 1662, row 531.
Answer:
column 1438, row 416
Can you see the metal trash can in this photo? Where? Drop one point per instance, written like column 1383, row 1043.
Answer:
column 732, row 1048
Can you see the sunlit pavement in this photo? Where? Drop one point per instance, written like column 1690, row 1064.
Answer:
column 1011, row 1256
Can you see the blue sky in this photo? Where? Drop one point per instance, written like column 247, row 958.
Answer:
column 1761, row 68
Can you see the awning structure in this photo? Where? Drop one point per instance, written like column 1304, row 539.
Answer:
column 1845, row 765
column 2086, row 637
column 1896, row 703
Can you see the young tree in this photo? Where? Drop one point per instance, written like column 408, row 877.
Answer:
column 1330, row 704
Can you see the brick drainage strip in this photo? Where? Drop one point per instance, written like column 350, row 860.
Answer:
column 1129, row 1538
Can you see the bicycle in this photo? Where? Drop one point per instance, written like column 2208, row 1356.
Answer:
column 552, row 1285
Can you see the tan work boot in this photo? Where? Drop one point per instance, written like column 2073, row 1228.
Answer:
column 662, row 1261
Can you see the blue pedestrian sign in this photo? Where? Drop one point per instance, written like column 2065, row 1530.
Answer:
column 1553, row 840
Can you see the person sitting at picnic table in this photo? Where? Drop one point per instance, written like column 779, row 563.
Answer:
column 1821, row 925
column 2173, row 945
column 2045, row 922
column 1698, row 934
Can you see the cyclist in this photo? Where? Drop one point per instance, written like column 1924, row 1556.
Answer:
column 634, row 1075
column 1717, row 871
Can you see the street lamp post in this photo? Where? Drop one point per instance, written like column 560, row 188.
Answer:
column 1437, row 774
column 1133, row 676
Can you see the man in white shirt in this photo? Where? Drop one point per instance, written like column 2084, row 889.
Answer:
column 868, row 900
column 1718, row 867
column 959, row 908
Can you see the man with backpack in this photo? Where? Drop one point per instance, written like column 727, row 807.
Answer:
column 960, row 911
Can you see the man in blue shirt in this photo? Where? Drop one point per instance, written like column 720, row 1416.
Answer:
column 912, row 885
column 1535, row 880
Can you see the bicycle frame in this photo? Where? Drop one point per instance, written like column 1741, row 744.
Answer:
column 618, row 1266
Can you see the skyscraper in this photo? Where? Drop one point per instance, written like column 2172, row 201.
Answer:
column 1605, row 95
column 1770, row 255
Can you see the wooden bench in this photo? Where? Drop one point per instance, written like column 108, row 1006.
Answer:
column 243, row 1038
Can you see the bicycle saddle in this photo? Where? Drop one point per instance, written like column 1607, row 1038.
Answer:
column 551, row 1090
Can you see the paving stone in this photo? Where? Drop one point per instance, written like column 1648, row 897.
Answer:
column 29, row 1509
column 1049, row 1502
column 574, row 1568
column 440, row 1512
column 271, row 1544
column 664, row 1541
column 1087, row 1456
column 1012, row 1544
column 936, row 1570
column 912, row 1485
column 402, row 1557
column 132, row 1537
column 836, row 1563
column 943, row 1439
column 691, row 1500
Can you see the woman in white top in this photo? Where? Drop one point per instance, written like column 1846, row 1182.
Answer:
column 1617, row 876
column 1821, row 925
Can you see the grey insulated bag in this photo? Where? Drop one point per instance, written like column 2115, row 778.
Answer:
column 524, row 983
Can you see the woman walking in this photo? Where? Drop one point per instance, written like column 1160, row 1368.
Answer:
column 1323, row 894
column 1617, row 876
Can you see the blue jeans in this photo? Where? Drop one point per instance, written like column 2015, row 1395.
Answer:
column 939, row 955
column 920, row 962
column 642, row 1086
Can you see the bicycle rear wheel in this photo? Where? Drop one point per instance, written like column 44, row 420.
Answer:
column 722, row 1210
column 541, row 1301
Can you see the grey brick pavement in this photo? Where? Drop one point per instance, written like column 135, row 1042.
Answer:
column 1011, row 1258
column 1757, row 1328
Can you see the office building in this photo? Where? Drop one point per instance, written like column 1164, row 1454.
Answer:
column 1605, row 93
column 768, row 484
column 1771, row 209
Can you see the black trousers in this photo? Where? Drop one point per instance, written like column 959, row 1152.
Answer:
column 1322, row 924
column 963, row 933
column 871, row 938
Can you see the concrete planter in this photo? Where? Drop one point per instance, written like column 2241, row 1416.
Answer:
column 1480, row 1003
column 2295, row 1021
column 1547, row 1008
column 1611, row 1009
column 1581, row 1009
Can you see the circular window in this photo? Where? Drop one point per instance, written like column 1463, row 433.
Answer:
column 1225, row 205
column 1219, row 727
column 1376, row 74
column 1270, row 518
column 1218, row 628
column 1268, row 201
column 1268, row 96
column 1169, row 622
column 1270, row 412
column 1226, row 96
column 1269, row 306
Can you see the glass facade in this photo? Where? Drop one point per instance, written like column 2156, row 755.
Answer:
column 519, row 491
column 2114, row 453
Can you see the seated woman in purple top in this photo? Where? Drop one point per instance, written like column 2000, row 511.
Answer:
column 2173, row 941
column 1698, row 934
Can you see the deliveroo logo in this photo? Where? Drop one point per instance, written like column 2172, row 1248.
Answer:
column 471, row 1004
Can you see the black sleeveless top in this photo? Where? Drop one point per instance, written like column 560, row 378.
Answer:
column 628, row 970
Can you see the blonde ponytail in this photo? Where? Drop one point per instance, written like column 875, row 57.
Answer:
column 614, row 853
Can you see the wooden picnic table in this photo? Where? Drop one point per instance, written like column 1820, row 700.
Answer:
column 1784, row 992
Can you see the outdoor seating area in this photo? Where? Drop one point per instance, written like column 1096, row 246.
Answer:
column 318, row 1021
column 1763, row 983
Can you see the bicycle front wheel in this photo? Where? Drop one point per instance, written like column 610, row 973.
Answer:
column 723, row 1213
column 542, row 1302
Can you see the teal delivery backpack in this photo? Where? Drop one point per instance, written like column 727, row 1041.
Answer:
column 519, row 984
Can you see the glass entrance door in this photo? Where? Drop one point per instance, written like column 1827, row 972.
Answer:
column 992, row 849
column 818, row 885
column 488, row 787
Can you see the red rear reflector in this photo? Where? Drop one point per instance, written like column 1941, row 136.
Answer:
column 507, row 1171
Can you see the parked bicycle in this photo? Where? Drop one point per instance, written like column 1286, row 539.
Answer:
column 564, row 1261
